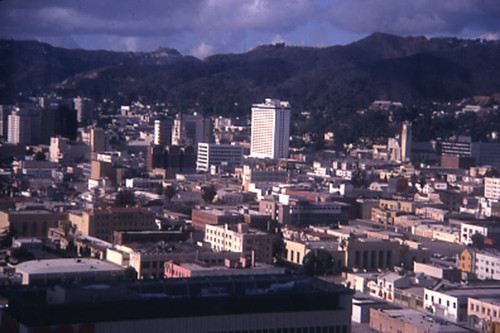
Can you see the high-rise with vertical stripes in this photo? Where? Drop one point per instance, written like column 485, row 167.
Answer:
column 270, row 129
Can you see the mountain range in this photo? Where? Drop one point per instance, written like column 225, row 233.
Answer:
column 331, row 80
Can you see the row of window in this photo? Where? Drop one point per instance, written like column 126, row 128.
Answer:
column 486, row 311
column 439, row 301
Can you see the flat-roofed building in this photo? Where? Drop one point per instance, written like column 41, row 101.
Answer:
column 484, row 313
column 31, row 223
column 231, row 268
column 241, row 238
column 223, row 156
column 202, row 217
column 101, row 223
column 407, row 320
column 51, row 271
column 267, row 303
column 451, row 303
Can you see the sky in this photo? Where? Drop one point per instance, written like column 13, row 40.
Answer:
column 205, row 27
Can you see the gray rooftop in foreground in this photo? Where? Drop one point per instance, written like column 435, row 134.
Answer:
column 66, row 265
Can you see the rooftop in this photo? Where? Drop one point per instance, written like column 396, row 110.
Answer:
column 63, row 265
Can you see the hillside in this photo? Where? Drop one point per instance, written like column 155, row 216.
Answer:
column 333, row 80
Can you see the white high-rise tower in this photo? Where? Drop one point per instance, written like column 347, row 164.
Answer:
column 270, row 129
column 406, row 142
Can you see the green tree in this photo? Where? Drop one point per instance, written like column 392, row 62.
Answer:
column 477, row 240
column 19, row 255
column 84, row 251
column 130, row 274
column 169, row 191
column 208, row 193
column 318, row 262
column 279, row 247
column 125, row 198
column 6, row 236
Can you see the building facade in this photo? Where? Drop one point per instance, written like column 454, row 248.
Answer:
column 241, row 238
column 270, row 129
column 224, row 156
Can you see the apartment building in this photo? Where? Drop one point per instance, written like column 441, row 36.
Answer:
column 241, row 238
column 101, row 223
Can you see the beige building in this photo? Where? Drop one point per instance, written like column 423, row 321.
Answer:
column 240, row 238
column 31, row 223
column 101, row 223
column 484, row 314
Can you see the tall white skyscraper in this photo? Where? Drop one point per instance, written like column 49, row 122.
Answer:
column 270, row 129
column 406, row 142
column 24, row 125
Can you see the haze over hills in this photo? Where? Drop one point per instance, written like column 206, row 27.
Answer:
column 332, row 80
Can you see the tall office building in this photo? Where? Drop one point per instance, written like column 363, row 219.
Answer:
column 192, row 129
column 4, row 119
column 270, row 129
column 163, row 132
column 84, row 110
column 24, row 126
column 406, row 142
column 58, row 121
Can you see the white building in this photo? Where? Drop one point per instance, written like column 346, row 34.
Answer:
column 488, row 230
column 220, row 155
column 492, row 188
column 270, row 129
column 487, row 265
column 452, row 304
column 84, row 109
column 24, row 126
column 406, row 140
column 240, row 238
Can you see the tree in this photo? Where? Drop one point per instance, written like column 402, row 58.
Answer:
column 208, row 193
column 40, row 156
column 318, row 262
column 279, row 246
column 130, row 274
column 84, row 251
column 477, row 240
column 169, row 191
column 159, row 189
column 19, row 255
column 6, row 236
column 125, row 198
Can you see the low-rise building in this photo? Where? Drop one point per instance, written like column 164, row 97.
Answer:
column 52, row 271
column 101, row 223
column 224, row 156
column 230, row 268
column 31, row 223
column 203, row 217
column 407, row 320
column 241, row 238
column 451, row 303
column 484, row 314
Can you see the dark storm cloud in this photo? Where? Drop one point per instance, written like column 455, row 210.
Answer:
column 416, row 16
column 128, row 24
column 203, row 27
